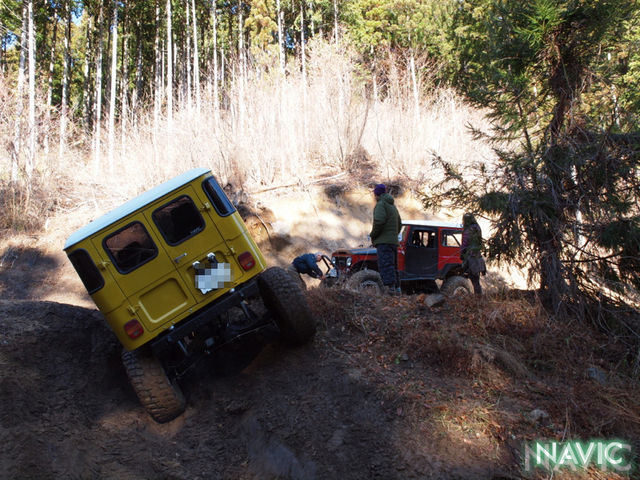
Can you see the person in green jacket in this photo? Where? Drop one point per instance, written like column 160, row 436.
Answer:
column 384, row 236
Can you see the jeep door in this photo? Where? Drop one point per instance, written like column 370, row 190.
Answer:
column 134, row 255
column 237, row 240
column 450, row 241
column 421, row 252
column 188, row 236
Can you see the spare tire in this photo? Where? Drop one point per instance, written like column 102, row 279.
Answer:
column 284, row 299
column 366, row 281
column 160, row 397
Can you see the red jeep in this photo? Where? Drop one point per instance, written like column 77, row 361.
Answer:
column 428, row 250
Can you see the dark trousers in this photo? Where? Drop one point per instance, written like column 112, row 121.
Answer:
column 388, row 263
column 475, row 281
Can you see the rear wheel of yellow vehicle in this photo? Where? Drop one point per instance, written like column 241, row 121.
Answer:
column 160, row 397
column 285, row 301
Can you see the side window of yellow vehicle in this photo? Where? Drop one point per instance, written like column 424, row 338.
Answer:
column 178, row 220
column 87, row 270
column 220, row 201
column 130, row 247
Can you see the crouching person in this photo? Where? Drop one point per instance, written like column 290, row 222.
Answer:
column 306, row 264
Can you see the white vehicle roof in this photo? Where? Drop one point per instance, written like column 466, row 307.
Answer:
column 134, row 204
column 432, row 223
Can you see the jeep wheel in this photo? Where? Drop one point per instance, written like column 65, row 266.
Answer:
column 366, row 281
column 285, row 301
column 160, row 397
column 456, row 286
column 298, row 279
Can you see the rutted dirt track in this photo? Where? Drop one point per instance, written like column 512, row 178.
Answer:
column 259, row 411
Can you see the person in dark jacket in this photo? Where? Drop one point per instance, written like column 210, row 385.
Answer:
column 307, row 263
column 384, row 236
column 470, row 251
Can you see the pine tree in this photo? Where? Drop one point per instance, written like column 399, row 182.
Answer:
column 564, row 194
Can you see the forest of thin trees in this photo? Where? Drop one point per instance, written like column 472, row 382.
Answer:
column 90, row 71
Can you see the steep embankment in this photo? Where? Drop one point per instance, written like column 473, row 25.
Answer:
column 389, row 388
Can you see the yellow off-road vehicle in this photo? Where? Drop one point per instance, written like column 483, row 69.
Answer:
column 174, row 272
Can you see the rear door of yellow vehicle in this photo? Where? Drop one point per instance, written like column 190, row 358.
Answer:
column 188, row 236
column 227, row 221
column 137, row 260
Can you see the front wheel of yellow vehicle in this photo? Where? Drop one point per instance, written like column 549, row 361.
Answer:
column 285, row 301
column 160, row 397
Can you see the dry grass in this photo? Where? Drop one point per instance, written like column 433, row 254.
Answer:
column 270, row 130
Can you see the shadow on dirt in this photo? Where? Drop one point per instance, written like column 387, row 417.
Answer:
column 258, row 410
column 23, row 271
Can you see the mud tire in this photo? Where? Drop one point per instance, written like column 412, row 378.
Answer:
column 285, row 301
column 366, row 281
column 298, row 279
column 456, row 286
column 161, row 398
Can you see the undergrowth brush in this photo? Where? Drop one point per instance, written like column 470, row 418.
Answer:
column 504, row 352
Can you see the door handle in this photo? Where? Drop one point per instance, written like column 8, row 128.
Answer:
column 180, row 257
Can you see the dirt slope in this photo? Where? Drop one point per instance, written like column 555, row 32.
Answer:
column 260, row 411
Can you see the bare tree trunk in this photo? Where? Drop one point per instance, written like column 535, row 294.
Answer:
column 22, row 74
column 223, row 68
column 241, row 68
column 169, row 67
column 414, row 86
column 98, row 92
column 374, row 80
column 303, row 55
column 65, row 79
column 196, row 58
column 3, row 47
column 158, row 69
column 187, row 63
column 52, row 59
column 112, row 88
column 86, row 72
column 216, row 94
column 29, row 164
column 137, row 95
column 124, row 88
column 280, row 37
column 335, row 21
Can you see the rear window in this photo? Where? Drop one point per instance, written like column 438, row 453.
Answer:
column 130, row 247
column 87, row 270
column 451, row 239
column 220, row 201
column 178, row 220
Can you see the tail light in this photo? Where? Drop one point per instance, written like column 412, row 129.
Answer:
column 133, row 329
column 247, row 262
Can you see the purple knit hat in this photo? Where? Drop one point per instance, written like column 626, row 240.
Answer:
column 379, row 189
